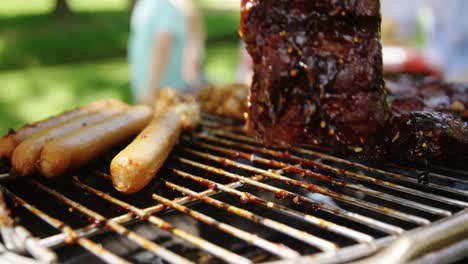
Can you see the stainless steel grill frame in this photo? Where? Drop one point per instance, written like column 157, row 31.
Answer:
column 389, row 202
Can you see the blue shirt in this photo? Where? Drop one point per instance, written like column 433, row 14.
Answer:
column 149, row 18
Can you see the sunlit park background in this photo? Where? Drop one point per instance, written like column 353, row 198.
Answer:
column 53, row 59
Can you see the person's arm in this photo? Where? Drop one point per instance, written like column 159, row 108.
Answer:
column 192, row 65
column 194, row 51
column 159, row 58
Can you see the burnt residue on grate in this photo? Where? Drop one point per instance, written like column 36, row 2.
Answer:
column 223, row 197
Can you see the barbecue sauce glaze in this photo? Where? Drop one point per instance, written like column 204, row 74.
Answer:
column 414, row 93
column 317, row 73
column 429, row 136
column 318, row 80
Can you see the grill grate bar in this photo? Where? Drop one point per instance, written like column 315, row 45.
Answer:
column 303, row 172
column 315, row 188
column 280, row 193
column 66, row 230
column 5, row 176
column 196, row 241
column 373, row 206
column 276, row 249
column 242, row 136
column 386, row 173
column 91, row 229
column 332, row 169
column 322, row 244
column 465, row 173
column 303, row 236
column 438, row 176
column 119, row 229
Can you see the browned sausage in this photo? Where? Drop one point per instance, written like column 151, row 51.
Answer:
column 27, row 153
column 14, row 137
column 187, row 105
column 76, row 149
column 134, row 167
column 137, row 164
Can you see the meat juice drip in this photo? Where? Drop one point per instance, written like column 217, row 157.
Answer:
column 317, row 68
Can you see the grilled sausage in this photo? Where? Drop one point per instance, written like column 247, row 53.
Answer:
column 76, row 149
column 14, row 137
column 190, row 115
column 27, row 153
column 134, row 167
column 187, row 106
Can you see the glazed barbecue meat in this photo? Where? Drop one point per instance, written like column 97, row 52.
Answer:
column 429, row 136
column 427, row 123
column 318, row 81
column 412, row 93
column 317, row 72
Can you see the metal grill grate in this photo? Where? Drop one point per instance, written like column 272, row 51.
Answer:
column 222, row 197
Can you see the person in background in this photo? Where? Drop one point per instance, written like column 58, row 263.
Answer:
column 438, row 28
column 166, row 48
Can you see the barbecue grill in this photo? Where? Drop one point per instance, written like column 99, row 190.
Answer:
column 223, row 197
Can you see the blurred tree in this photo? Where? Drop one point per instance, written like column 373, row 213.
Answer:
column 61, row 8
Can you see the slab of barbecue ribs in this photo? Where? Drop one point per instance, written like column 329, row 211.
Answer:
column 418, row 93
column 318, row 81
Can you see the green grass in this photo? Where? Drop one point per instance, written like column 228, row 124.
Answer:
column 33, row 94
column 221, row 62
column 34, row 7
column 36, row 93
column 38, row 40
column 43, row 40
column 49, row 65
